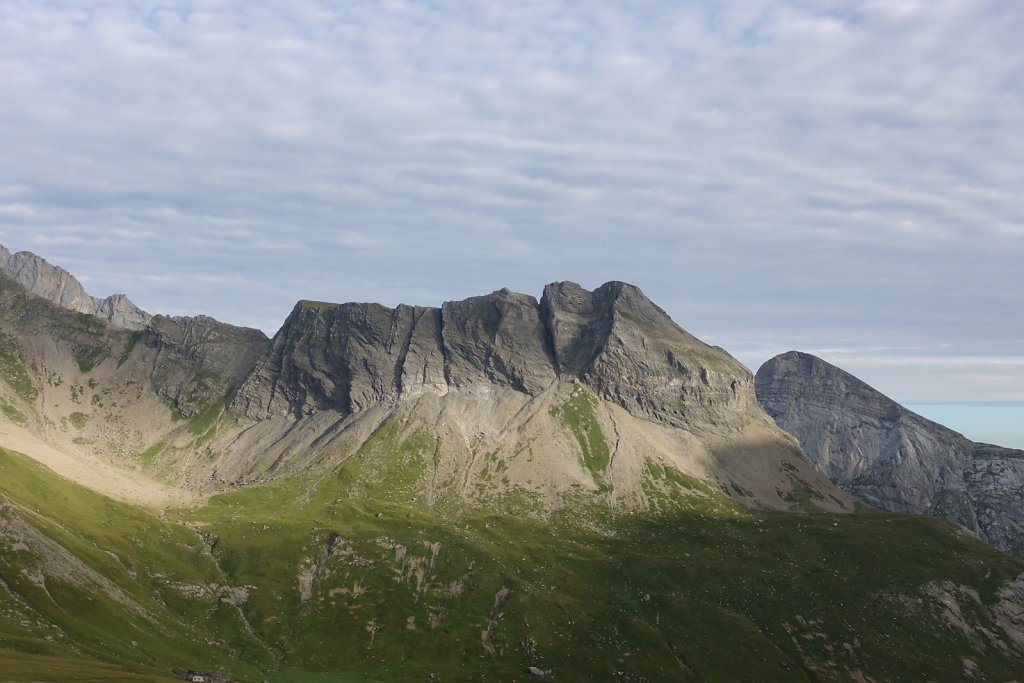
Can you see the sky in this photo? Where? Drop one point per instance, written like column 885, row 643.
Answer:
column 840, row 177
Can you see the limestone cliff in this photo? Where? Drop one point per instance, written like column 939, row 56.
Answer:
column 893, row 458
column 587, row 391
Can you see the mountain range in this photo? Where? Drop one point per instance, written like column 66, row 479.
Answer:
column 570, row 487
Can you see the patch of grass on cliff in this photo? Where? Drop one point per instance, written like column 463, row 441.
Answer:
column 173, row 408
column 579, row 415
column 13, row 371
column 78, row 420
column 206, row 419
column 317, row 305
column 147, row 456
column 12, row 413
column 88, row 357
column 129, row 346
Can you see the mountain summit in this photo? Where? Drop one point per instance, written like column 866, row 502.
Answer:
column 578, row 392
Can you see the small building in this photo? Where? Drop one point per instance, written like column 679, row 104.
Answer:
column 193, row 676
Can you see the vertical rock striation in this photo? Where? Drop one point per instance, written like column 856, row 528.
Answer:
column 629, row 350
column 346, row 357
column 198, row 361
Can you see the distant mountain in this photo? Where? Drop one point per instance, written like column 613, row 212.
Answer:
column 893, row 458
column 59, row 286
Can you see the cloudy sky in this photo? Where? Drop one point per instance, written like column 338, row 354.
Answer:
column 837, row 176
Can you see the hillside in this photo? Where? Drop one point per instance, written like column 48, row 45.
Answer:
column 256, row 582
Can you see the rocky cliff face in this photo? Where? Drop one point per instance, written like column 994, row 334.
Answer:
column 890, row 457
column 630, row 351
column 196, row 361
column 346, row 357
column 101, row 402
column 60, row 287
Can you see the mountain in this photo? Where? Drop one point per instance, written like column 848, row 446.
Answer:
column 59, row 286
column 890, row 457
column 501, row 488
column 580, row 394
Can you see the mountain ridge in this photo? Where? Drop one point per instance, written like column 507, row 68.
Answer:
column 579, row 393
column 58, row 285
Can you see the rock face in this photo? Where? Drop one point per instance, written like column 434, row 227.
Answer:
column 583, row 391
column 59, row 286
column 346, row 357
column 197, row 360
column 631, row 352
column 890, row 457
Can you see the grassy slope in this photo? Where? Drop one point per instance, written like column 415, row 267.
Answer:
column 351, row 578
column 159, row 567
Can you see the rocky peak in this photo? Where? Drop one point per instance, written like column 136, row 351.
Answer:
column 198, row 360
column 499, row 338
column 631, row 352
column 891, row 457
column 578, row 322
column 858, row 436
column 60, row 287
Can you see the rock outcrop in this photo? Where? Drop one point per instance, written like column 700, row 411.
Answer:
column 60, row 287
column 890, row 457
column 618, row 341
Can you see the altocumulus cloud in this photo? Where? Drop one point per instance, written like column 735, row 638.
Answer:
column 836, row 176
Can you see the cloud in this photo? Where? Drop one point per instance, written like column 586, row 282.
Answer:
column 826, row 174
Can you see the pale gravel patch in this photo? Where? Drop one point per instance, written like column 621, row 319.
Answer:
column 97, row 475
